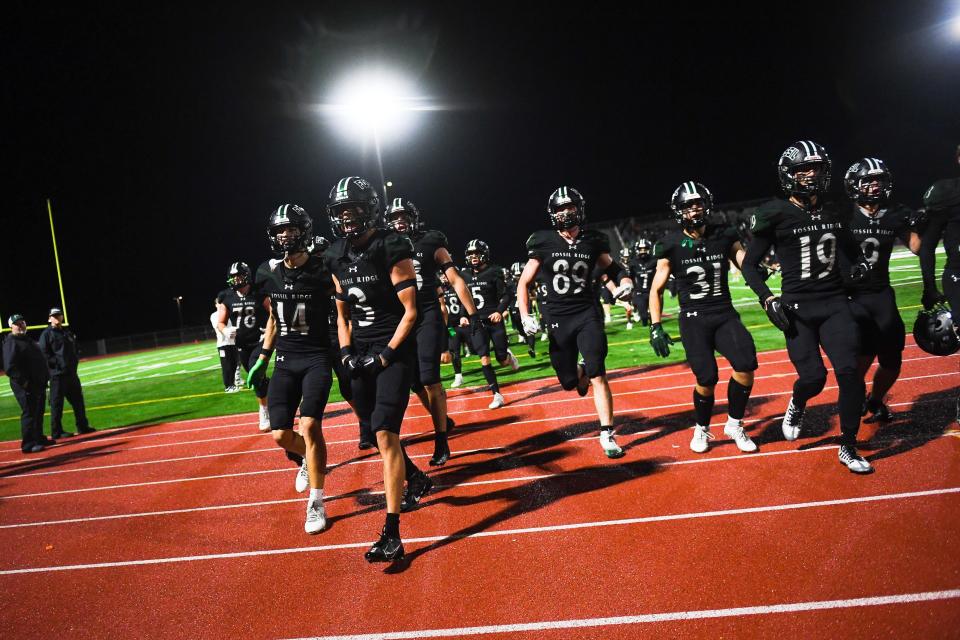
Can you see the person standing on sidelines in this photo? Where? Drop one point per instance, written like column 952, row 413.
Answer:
column 242, row 314
column 298, row 288
column 565, row 258
column 26, row 369
column 376, row 286
column 699, row 255
column 59, row 347
column 226, row 349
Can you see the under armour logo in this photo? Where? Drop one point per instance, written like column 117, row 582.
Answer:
column 691, row 313
column 280, row 358
column 287, row 285
column 874, row 221
column 955, row 278
column 555, row 325
column 816, row 217
column 794, row 306
column 351, row 269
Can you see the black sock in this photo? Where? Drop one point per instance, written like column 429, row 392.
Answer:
column 440, row 440
column 737, row 397
column 491, row 377
column 532, row 343
column 849, row 406
column 456, row 362
column 297, row 459
column 703, row 408
column 392, row 526
column 410, row 470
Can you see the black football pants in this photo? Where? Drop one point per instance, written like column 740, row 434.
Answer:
column 66, row 385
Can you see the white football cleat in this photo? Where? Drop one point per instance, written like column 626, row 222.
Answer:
column 629, row 326
column 543, row 337
column 701, row 439
column 609, row 445
column 852, row 460
column 497, row 402
column 303, row 479
column 514, row 363
column 457, row 380
column 734, row 430
column 316, row 517
column 264, row 419
column 792, row 421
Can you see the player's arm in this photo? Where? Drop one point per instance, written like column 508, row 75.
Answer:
column 928, row 259
column 737, row 253
column 259, row 369
column 523, row 286
column 344, row 328
column 444, row 312
column 442, row 256
column 223, row 316
column 751, row 265
column 403, row 275
column 503, row 300
column 660, row 279
column 616, row 273
column 852, row 251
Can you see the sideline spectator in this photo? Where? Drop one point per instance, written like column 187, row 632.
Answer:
column 59, row 347
column 226, row 348
column 27, row 371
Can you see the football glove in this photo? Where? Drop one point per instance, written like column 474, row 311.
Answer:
column 860, row 272
column 623, row 291
column 660, row 340
column 777, row 314
column 351, row 363
column 477, row 330
column 931, row 298
column 370, row 365
column 257, row 373
column 916, row 219
column 530, row 325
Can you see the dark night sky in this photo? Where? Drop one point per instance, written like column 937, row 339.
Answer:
column 165, row 136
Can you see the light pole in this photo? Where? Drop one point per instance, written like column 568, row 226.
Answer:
column 376, row 106
column 178, row 300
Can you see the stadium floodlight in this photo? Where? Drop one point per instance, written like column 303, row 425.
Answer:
column 954, row 26
column 374, row 105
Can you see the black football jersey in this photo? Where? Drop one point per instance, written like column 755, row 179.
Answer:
column 642, row 272
column 486, row 287
column 806, row 244
column 300, row 301
column 700, row 266
column 876, row 235
column 566, row 268
column 942, row 201
column 455, row 309
column 364, row 275
column 246, row 313
column 425, row 245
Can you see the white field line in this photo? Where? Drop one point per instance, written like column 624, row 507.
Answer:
column 503, row 532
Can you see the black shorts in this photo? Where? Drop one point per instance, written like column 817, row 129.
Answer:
column 515, row 321
column 298, row 380
column 498, row 336
column 382, row 400
column 826, row 321
column 705, row 331
column 606, row 295
column 950, row 281
column 573, row 336
column 882, row 333
column 343, row 379
column 430, row 336
column 641, row 302
column 458, row 339
column 249, row 354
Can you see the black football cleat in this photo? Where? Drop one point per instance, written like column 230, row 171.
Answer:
column 386, row 549
column 583, row 382
column 417, row 487
column 878, row 411
column 363, row 445
column 450, row 424
column 440, row 457
column 86, row 430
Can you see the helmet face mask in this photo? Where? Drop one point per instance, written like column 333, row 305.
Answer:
column 566, row 208
column 289, row 230
column 804, row 170
column 239, row 275
column 868, row 181
column 403, row 216
column 353, row 207
column 692, row 204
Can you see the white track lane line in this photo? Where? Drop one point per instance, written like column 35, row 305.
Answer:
column 502, row 532
column 646, row 618
column 464, row 428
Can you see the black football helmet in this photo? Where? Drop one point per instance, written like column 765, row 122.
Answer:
column 320, row 245
column 289, row 215
column 800, row 156
column 687, row 196
column 624, row 254
column 478, row 249
column 642, row 248
column 561, row 198
column 238, row 275
column 516, row 269
column 399, row 209
column 935, row 331
column 868, row 181
column 353, row 207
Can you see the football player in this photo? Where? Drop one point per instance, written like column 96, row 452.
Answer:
column 814, row 311
column 642, row 266
column 431, row 255
column 458, row 335
column 242, row 313
column 699, row 256
column 298, row 288
column 376, row 285
column 531, row 339
column 876, row 222
column 485, row 281
column 565, row 257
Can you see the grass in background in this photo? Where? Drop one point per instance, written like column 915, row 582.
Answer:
column 183, row 382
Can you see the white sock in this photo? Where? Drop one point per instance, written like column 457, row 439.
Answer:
column 316, row 495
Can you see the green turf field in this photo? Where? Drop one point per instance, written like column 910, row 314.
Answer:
column 184, row 382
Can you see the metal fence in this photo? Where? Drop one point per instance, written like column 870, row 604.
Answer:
column 142, row 341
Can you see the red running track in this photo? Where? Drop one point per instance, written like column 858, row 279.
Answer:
column 193, row 529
